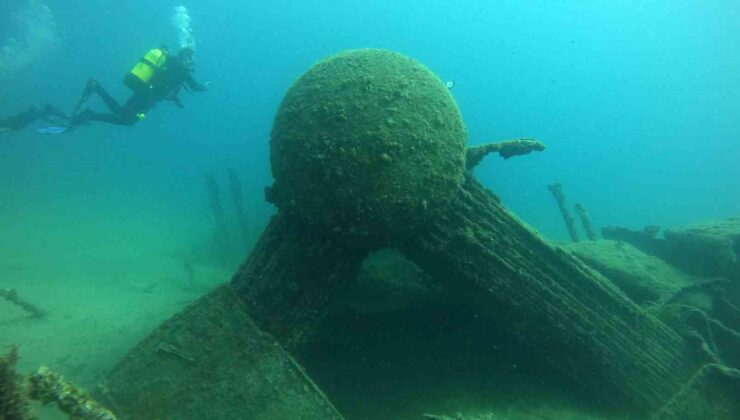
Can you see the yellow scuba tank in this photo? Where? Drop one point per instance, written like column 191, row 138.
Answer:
column 141, row 75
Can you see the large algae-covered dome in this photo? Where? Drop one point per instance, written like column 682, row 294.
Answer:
column 367, row 142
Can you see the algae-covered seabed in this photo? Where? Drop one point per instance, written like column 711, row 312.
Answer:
column 105, row 276
column 97, row 309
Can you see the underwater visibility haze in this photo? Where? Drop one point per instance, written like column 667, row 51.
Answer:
column 593, row 272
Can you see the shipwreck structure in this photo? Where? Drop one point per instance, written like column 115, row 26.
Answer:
column 369, row 151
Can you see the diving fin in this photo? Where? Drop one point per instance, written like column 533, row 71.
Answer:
column 54, row 129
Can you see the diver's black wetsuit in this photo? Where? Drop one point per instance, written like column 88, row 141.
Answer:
column 165, row 85
column 19, row 121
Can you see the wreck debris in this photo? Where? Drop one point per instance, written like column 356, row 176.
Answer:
column 237, row 197
column 13, row 401
column 49, row 387
column 645, row 240
column 222, row 232
column 646, row 279
column 557, row 191
column 717, row 342
column 187, row 266
column 11, row 295
column 291, row 277
column 211, row 358
column 368, row 151
column 586, row 222
column 298, row 265
column 367, row 144
column 469, row 242
column 711, row 394
column 708, row 248
column 505, row 149
column 44, row 386
column 608, row 342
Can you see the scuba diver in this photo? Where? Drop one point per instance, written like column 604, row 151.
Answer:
column 156, row 77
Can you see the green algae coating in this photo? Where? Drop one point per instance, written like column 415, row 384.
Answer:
column 368, row 143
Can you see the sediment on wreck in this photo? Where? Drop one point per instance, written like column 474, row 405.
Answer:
column 289, row 280
column 583, row 324
column 711, row 394
column 366, row 144
column 351, row 190
column 647, row 280
column 368, row 150
column 710, row 248
column 212, row 361
column 215, row 360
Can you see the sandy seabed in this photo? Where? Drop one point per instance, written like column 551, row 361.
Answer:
column 98, row 308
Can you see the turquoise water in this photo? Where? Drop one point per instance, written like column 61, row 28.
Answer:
column 637, row 101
